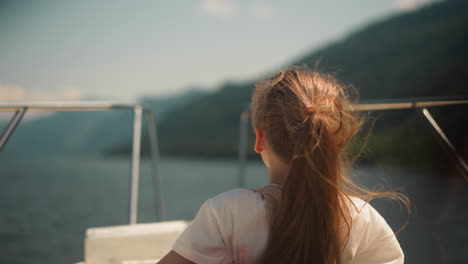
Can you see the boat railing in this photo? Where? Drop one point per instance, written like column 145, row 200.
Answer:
column 21, row 108
column 418, row 104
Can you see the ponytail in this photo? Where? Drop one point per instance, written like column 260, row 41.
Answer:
column 304, row 228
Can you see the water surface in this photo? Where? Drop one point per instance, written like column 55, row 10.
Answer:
column 47, row 202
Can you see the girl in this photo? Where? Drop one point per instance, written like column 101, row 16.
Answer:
column 309, row 213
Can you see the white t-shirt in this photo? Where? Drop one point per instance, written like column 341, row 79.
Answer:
column 233, row 228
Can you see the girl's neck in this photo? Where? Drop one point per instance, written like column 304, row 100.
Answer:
column 278, row 175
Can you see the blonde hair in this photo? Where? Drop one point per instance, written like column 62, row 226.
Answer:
column 307, row 118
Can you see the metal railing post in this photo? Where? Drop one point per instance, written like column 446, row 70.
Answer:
column 155, row 157
column 135, row 167
column 244, row 118
column 14, row 122
column 463, row 168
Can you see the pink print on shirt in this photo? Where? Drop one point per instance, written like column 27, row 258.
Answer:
column 244, row 257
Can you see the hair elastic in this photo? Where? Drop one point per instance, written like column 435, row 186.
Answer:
column 310, row 110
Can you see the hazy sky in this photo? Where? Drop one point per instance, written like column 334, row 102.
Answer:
column 125, row 49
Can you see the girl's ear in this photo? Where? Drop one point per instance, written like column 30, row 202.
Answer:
column 259, row 141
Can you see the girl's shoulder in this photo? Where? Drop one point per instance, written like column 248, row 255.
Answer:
column 364, row 212
column 237, row 193
column 223, row 224
column 239, row 198
column 371, row 239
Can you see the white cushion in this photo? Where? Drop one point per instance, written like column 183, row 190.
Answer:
column 131, row 244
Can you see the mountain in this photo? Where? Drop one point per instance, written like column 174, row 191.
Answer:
column 417, row 54
column 88, row 132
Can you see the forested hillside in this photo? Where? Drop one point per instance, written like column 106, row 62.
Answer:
column 418, row 54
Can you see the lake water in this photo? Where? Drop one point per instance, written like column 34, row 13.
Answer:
column 47, row 202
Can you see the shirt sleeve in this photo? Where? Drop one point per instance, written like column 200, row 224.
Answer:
column 202, row 241
column 377, row 243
